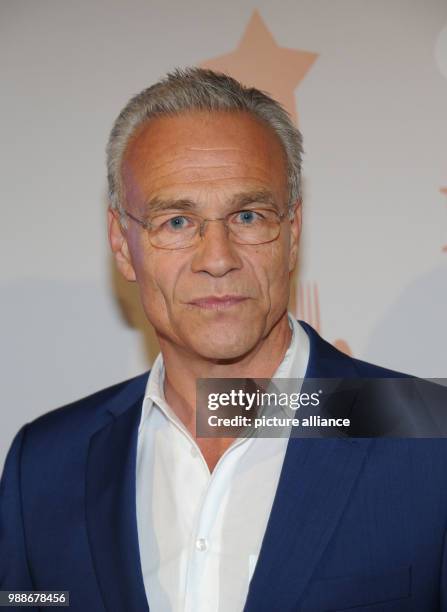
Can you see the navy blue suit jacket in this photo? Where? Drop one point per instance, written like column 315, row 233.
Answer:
column 356, row 524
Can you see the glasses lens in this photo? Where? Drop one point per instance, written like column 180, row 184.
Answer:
column 173, row 231
column 254, row 226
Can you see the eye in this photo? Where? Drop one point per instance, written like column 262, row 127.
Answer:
column 174, row 223
column 247, row 217
column 177, row 222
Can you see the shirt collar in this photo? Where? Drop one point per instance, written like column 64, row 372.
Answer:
column 293, row 365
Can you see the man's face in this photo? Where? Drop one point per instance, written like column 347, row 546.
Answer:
column 210, row 160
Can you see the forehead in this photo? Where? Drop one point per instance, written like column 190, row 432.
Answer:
column 203, row 152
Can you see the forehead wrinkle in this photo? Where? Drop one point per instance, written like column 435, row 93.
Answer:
column 195, row 164
column 205, row 169
column 224, row 172
column 263, row 196
column 185, row 155
column 138, row 147
column 200, row 174
column 191, row 148
column 222, row 179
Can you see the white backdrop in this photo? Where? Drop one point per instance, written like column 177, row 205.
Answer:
column 371, row 102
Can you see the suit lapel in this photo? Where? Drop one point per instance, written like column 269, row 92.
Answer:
column 317, row 478
column 111, row 504
column 316, row 481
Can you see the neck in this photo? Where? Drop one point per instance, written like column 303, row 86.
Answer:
column 182, row 369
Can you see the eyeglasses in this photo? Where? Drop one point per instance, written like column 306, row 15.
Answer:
column 179, row 231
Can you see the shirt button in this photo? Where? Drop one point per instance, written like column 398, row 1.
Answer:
column 194, row 451
column 201, row 544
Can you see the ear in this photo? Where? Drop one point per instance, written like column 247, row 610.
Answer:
column 118, row 243
column 295, row 232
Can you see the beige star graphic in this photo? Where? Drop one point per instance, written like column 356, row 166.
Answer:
column 260, row 62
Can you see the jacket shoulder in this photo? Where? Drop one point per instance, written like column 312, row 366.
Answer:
column 89, row 412
column 371, row 370
column 328, row 361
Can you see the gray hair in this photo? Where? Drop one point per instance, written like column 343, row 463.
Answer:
column 192, row 89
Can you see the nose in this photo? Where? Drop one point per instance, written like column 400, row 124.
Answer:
column 215, row 253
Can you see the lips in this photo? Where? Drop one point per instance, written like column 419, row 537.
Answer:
column 218, row 302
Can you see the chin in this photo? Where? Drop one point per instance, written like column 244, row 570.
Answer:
column 223, row 354
column 226, row 345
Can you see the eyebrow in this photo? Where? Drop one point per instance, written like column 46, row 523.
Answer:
column 245, row 198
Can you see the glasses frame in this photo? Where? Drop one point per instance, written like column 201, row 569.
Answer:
column 204, row 220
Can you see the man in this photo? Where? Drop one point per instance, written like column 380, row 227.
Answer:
column 116, row 499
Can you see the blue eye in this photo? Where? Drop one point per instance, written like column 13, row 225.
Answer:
column 247, row 216
column 177, row 223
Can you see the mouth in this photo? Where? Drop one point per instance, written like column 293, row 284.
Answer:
column 214, row 302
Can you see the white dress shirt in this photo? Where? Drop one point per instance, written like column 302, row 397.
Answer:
column 199, row 533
